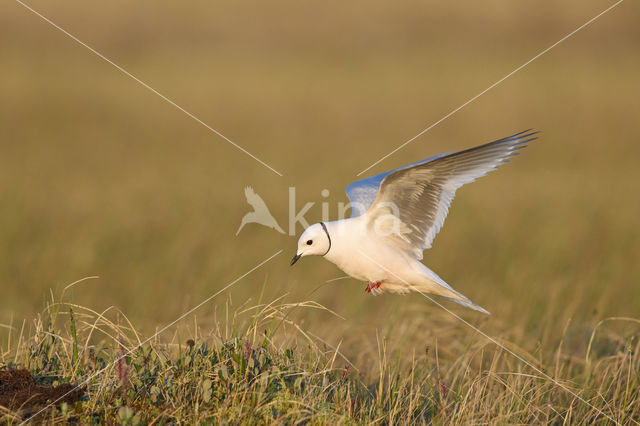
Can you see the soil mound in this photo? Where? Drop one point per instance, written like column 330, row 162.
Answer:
column 19, row 391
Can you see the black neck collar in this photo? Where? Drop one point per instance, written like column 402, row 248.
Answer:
column 328, row 236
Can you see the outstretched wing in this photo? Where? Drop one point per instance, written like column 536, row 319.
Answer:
column 412, row 202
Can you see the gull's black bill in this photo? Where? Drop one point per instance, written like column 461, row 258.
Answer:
column 295, row 258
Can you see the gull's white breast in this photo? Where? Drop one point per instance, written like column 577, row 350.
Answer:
column 366, row 257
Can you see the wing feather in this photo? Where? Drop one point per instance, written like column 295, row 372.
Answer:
column 362, row 193
column 412, row 202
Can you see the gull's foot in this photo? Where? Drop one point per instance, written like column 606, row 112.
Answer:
column 373, row 286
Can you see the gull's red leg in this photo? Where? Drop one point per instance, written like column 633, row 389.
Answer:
column 377, row 284
column 369, row 287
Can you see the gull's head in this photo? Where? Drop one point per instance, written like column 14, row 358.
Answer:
column 314, row 240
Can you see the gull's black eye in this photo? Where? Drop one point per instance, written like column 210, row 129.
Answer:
column 309, row 242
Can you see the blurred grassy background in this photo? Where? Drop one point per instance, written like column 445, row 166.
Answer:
column 98, row 176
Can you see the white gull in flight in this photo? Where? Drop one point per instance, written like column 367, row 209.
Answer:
column 397, row 214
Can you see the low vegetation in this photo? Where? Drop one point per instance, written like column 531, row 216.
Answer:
column 246, row 371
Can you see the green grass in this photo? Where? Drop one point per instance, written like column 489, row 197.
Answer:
column 265, row 368
column 99, row 177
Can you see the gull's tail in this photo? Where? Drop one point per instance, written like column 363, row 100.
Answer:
column 467, row 303
column 436, row 285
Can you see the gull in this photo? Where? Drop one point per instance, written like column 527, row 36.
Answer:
column 260, row 213
column 396, row 215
